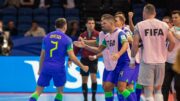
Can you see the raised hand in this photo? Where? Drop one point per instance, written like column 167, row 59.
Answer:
column 130, row 15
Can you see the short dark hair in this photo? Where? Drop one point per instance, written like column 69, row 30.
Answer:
column 60, row 22
column 73, row 22
column 150, row 9
column 34, row 21
column 175, row 12
column 89, row 19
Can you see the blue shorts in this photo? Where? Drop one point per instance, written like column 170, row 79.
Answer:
column 111, row 76
column 121, row 73
column 125, row 73
column 135, row 74
column 59, row 79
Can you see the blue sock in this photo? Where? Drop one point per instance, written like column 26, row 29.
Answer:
column 120, row 96
column 32, row 99
column 138, row 91
column 109, row 96
column 133, row 93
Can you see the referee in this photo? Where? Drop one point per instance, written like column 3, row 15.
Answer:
column 89, row 34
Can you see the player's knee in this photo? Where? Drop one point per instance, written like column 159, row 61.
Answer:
column 131, row 86
column 121, row 88
column 158, row 87
column 107, row 87
column 93, row 78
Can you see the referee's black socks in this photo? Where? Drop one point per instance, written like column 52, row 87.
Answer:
column 85, row 91
column 94, row 88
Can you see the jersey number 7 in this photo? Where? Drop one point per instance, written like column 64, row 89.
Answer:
column 53, row 49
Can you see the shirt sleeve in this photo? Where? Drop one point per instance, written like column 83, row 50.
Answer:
column 104, row 43
column 43, row 45
column 97, row 40
column 69, row 45
column 136, row 29
column 122, row 37
column 128, row 33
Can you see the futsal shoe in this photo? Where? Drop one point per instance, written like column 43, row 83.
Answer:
column 93, row 98
column 32, row 99
column 56, row 100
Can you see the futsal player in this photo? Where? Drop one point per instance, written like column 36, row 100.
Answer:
column 153, row 34
column 169, row 72
column 120, row 23
column 138, row 87
column 55, row 46
column 117, row 72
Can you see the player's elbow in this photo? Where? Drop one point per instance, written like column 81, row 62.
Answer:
column 130, row 40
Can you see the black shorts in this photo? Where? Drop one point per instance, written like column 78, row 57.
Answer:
column 92, row 66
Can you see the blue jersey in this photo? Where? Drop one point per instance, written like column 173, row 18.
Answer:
column 56, row 45
column 124, row 57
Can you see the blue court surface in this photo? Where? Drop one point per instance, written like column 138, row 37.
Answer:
column 48, row 97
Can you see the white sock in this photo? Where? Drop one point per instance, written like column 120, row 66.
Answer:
column 158, row 97
column 150, row 99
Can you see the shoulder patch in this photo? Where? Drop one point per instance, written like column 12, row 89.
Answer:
column 123, row 37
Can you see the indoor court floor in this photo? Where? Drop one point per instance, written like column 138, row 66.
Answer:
column 50, row 97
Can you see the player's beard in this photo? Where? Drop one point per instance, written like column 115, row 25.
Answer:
column 105, row 31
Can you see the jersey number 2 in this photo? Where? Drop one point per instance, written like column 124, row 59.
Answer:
column 53, row 49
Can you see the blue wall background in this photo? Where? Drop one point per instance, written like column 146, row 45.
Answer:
column 26, row 46
column 19, row 74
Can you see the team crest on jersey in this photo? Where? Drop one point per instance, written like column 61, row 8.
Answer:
column 123, row 37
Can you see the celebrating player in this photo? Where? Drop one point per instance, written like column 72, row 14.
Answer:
column 153, row 34
column 55, row 46
column 117, row 72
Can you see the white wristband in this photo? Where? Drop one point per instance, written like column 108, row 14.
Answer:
column 95, row 57
column 132, row 60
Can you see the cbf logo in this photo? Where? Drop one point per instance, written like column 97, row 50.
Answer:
column 121, row 73
column 74, row 80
